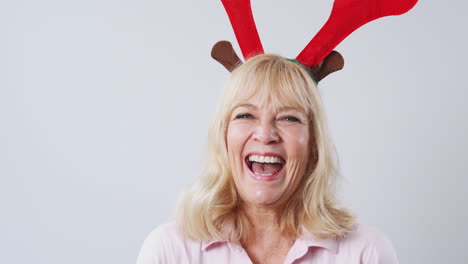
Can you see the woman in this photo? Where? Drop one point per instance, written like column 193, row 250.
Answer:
column 267, row 191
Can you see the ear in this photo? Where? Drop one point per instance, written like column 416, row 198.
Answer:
column 224, row 53
column 332, row 63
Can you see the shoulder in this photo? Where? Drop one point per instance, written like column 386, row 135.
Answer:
column 165, row 244
column 373, row 245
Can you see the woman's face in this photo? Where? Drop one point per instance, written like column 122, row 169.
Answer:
column 268, row 149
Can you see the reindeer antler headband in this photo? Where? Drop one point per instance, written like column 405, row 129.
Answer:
column 318, row 56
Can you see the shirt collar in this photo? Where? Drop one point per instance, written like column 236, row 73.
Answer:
column 208, row 245
column 306, row 239
column 225, row 233
column 205, row 245
column 310, row 240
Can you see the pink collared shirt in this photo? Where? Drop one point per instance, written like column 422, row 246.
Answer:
column 362, row 245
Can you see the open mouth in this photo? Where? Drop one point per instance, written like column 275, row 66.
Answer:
column 264, row 166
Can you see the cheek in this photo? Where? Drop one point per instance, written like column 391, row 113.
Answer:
column 298, row 150
column 298, row 142
column 303, row 140
column 235, row 137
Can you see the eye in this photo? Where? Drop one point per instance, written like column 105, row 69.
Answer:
column 243, row 116
column 291, row 118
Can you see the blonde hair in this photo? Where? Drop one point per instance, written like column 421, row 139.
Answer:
column 212, row 202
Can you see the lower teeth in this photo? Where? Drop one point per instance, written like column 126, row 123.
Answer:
column 261, row 174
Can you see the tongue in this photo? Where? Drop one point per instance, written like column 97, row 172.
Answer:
column 266, row 168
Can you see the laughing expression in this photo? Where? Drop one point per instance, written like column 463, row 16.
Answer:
column 268, row 148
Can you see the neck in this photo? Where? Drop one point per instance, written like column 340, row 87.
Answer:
column 264, row 223
column 262, row 218
column 266, row 241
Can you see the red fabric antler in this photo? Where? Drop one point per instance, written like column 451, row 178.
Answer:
column 242, row 21
column 347, row 16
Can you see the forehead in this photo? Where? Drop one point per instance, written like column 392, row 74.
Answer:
column 275, row 97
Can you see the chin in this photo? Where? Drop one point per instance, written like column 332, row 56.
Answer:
column 262, row 195
column 263, row 191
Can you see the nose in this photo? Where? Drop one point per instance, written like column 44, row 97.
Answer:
column 266, row 133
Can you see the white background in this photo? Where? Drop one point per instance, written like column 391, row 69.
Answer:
column 105, row 106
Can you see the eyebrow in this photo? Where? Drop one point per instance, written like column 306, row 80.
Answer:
column 288, row 108
column 246, row 105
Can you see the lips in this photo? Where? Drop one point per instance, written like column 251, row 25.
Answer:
column 265, row 166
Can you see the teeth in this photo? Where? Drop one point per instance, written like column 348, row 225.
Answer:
column 265, row 159
column 262, row 174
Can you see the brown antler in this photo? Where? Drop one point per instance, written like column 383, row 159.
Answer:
column 224, row 53
column 332, row 63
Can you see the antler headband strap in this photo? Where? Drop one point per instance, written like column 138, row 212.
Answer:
column 312, row 75
column 318, row 56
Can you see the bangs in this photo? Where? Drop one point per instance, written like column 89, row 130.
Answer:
column 274, row 81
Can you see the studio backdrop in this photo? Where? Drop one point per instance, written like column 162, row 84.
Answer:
column 105, row 107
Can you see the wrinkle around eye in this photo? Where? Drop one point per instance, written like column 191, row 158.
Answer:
column 243, row 116
column 291, row 119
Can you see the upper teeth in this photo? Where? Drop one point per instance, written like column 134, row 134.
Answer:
column 265, row 159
